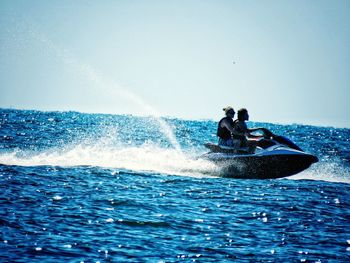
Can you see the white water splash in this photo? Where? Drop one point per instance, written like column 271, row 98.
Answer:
column 109, row 85
column 99, row 81
column 148, row 158
column 325, row 171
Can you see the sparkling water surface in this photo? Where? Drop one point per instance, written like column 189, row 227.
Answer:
column 106, row 188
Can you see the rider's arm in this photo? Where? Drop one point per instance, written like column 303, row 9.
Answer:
column 232, row 130
column 249, row 131
column 239, row 131
column 267, row 133
column 227, row 125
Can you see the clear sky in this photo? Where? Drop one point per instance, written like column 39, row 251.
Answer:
column 286, row 61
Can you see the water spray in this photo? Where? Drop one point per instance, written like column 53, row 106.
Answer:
column 108, row 84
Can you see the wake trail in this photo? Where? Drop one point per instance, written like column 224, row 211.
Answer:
column 144, row 158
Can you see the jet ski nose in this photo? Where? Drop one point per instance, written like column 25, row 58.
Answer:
column 313, row 158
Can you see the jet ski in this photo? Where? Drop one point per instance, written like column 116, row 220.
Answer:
column 275, row 157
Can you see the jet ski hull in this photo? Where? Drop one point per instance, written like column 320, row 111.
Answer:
column 276, row 163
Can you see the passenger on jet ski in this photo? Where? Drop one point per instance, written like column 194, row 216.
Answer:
column 226, row 129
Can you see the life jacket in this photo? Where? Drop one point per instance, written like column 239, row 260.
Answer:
column 223, row 132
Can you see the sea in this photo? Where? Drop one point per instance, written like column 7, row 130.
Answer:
column 77, row 187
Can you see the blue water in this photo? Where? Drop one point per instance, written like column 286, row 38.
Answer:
column 106, row 188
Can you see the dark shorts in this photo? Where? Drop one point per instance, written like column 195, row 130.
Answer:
column 236, row 143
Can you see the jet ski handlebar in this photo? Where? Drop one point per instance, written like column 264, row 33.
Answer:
column 267, row 134
column 271, row 138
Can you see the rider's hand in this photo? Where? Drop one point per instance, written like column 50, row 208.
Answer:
column 267, row 134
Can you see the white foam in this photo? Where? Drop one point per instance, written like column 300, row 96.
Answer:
column 325, row 171
column 144, row 158
column 151, row 158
